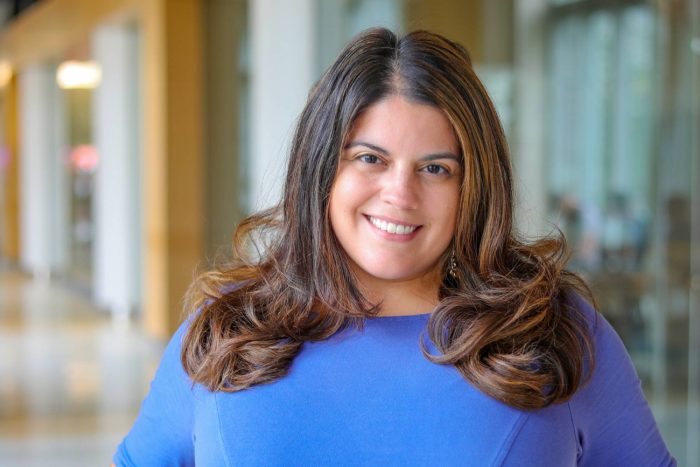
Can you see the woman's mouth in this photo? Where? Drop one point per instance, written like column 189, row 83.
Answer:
column 391, row 227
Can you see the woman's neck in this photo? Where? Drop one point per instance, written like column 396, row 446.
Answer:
column 412, row 297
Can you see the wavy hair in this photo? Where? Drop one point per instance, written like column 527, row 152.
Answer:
column 507, row 320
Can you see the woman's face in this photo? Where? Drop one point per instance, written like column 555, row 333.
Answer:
column 393, row 204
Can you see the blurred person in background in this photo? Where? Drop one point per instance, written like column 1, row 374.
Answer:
column 386, row 311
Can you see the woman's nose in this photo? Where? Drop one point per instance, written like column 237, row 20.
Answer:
column 400, row 189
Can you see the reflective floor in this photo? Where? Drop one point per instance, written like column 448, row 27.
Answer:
column 71, row 379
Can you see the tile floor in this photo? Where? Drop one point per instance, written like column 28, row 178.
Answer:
column 71, row 380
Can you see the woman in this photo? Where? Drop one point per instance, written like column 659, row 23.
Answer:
column 386, row 313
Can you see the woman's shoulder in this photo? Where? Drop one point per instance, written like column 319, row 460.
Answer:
column 586, row 311
column 171, row 364
column 608, row 351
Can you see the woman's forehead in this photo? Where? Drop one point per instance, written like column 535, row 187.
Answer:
column 396, row 122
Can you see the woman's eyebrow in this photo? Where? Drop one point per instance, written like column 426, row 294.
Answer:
column 427, row 158
column 441, row 155
column 373, row 147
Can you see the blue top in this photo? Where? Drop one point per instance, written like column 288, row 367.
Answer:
column 371, row 398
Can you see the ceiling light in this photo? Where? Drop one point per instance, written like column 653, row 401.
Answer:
column 78, row 75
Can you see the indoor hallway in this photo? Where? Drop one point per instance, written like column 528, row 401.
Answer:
column 71, row 379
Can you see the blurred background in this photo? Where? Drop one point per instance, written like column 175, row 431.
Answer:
column 135, row 135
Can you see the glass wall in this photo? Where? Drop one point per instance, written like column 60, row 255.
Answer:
column 601, row 152
column 80, row 162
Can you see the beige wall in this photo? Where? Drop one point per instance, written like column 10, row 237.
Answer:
column 458, row 20
column 484, row 27
column 10, row 225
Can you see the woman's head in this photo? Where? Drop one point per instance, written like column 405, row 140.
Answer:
column 423, row 69
column 394, row 201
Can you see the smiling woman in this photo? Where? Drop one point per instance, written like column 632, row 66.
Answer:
column 393, row 316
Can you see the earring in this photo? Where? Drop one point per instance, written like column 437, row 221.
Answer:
column 452, row 266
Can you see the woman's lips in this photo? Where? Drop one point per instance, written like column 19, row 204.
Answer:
column 393, row 229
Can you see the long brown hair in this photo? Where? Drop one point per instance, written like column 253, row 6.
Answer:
column 506, row 319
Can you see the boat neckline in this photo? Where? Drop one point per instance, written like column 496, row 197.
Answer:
column 417, row 315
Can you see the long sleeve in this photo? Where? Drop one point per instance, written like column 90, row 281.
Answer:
column 612, row 419
column 162, row 433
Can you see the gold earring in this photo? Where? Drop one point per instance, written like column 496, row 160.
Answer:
column 452, row 266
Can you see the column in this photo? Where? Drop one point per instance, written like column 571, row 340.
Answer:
column 529, row 149
column 283, row 53
column 173, row 161
column 116, row 213
column 35, row 152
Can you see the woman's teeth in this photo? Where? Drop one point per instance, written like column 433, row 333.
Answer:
column 391, row 227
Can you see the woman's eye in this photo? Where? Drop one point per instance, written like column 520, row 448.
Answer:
column 368, row 158
column 436, row 169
